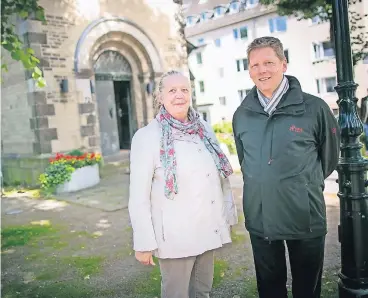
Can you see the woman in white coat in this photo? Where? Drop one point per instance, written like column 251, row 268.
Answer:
column 181, row 205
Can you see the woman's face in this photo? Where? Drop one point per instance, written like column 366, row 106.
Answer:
column 175, row 96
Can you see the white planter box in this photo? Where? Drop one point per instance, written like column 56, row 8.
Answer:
column 81, row 178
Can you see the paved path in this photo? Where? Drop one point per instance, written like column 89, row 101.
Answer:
column 112, row 193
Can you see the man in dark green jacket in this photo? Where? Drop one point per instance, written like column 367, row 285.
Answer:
column 287, row 143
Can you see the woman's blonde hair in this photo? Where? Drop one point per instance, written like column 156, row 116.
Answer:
column 160, row 86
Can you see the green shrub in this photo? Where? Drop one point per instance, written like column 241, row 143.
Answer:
column 76, row 152
column 223, row 127
column 228, row 140
column 62, row 166
column 224, row 134
column 55, row 174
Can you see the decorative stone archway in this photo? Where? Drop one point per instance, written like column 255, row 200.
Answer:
column 131, row 42
column 111, row 64
column 103, row 26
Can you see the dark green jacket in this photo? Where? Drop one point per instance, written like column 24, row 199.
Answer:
column 285, row 158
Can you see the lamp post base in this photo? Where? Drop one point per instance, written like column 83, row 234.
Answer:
column 345, row 292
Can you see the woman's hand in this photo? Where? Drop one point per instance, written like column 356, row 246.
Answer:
column 145, row 257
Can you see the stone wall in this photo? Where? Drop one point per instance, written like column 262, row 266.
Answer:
column 40, row 122
column 17, row 136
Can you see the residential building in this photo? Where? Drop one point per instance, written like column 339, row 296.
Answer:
column 222, row 31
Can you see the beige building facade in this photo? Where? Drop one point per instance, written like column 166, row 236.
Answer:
column 101, row 60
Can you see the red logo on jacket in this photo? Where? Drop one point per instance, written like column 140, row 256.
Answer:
column 296, row 129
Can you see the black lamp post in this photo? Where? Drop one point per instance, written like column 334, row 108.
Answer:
column 352, row 168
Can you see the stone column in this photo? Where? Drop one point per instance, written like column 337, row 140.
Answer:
column 89, row 127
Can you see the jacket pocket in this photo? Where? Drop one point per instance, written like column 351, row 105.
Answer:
column 252, row 207
column 317, row 206
column 287, row 211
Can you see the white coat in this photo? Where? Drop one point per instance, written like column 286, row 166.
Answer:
column 198, row 218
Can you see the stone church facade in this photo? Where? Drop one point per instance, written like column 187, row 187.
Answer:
column 101, row 60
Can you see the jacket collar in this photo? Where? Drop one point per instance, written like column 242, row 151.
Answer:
column 291, row 103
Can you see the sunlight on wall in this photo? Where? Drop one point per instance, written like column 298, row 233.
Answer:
column 168, row 7
column 88, row 9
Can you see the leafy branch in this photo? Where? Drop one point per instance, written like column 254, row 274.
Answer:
column 11, row 11
column 308, row 9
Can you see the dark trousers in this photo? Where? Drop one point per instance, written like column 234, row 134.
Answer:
column 306, row 263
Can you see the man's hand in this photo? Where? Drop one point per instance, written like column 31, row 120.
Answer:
column 145, row 257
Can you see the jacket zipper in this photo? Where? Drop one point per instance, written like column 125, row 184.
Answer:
column 271, row 118
column 270, row 158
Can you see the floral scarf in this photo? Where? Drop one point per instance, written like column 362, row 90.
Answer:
column 167, row 150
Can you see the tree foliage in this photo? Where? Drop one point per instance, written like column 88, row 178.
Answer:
column 307, row 9
column 11, row 11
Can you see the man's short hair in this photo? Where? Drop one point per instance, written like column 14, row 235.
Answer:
column 267, row 42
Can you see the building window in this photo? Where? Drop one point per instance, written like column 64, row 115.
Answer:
column 203, row 16
column 201, row 41
column 221, row 72
column 318, row 82
column 251, row 3
column 219, row 11
column 201, row 86
column 323, row 50
column 234, row 6
column 326, row 85
column 286, row 54
column 330, row 84
column 238, row 65
column 316, row 20
column 235, row 33
column 222, row 100
column 218, row 42
column 199, row 58
column 320, row 18
column 335, row 112
column 190, row 20
column 204, row 116
column 245, row 64
column 365, row 60
column 243, row 32
column 242, row 64
column 242, row 93
column 277, row 24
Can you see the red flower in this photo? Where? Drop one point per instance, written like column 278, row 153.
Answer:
column 170, row 184
column 59, row 156
column 171, row 152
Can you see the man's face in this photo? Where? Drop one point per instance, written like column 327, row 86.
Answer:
column 266, row 69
